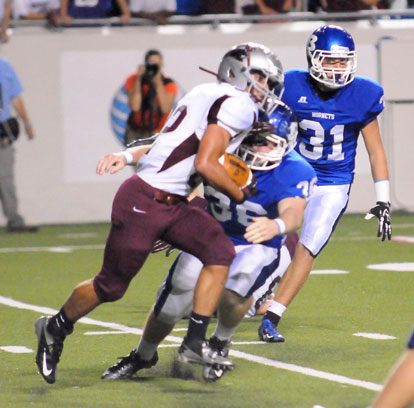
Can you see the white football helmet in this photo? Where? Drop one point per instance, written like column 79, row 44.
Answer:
column 278, row 133
column 242, row 61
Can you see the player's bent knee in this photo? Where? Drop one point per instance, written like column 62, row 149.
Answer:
column 109, row 290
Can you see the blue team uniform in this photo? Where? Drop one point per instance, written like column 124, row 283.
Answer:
column 294, row 177
column 329, row 129
column 255, row 265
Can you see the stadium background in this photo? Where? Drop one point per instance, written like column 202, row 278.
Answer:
column 71, row 77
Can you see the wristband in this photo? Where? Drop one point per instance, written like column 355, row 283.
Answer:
column 128, row 156
column 382, row 189
column 281, row 225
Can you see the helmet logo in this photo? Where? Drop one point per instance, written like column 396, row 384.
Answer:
column 312, row 43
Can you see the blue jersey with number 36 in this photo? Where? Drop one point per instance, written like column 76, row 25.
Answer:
column 329, row 129
column 294, row 177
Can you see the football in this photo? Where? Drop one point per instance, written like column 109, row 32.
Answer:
column 237, row 169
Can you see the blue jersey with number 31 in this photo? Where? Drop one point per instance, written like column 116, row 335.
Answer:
column 292, row 178
column 329, row 129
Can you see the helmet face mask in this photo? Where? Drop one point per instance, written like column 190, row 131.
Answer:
column 269, row 141
column 330, row 44
column 254, row 68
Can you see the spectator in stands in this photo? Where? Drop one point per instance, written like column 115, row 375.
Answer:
column 73, row 9
column 188, row 7
column 266, row 6
column 157, row 10
column 218, row 6
column 151, row 95
column 5, row 14
column 354, row 5
column 34, row 9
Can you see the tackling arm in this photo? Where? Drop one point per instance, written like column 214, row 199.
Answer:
column 291, row 212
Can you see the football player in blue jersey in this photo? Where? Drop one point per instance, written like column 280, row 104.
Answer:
column 398, row 391
column 257, row 228
column 332, row 106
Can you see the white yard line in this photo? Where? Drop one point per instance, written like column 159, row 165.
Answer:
column 62, row 248
column 239, row 354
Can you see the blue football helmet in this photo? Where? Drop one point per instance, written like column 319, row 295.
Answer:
column 278, row 132
column 331, row 42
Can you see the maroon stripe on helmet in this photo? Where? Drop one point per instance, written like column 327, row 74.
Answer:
column 248, row 55
column 186, row 149
column 214, row 110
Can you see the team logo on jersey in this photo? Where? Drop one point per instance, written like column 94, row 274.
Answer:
column 302, row 99
column 323, row 115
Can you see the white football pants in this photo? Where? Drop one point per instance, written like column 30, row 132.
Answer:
column 253, row 267
column 323, row 211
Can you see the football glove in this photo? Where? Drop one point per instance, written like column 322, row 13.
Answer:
column 249, row 190
column 383, row 212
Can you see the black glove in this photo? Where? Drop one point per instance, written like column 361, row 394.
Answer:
column 383, row 212
column 248, row 190
column 161, row 245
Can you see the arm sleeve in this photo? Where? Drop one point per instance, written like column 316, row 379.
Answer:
column 298, row 181
column 375, row 103
column 232, row 114
column 129, row 83
column 16, row 87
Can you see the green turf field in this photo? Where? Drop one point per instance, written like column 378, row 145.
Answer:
column 321, row 364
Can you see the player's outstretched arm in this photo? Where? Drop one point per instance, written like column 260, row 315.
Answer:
column 290, row 218
column 114, row 162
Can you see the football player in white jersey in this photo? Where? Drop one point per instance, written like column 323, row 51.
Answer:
column 256, row 227
column 333, row 106
column 152, row 204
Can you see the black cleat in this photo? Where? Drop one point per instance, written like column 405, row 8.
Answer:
column 126, row 367
column 49, row 350
column 213, row 372
column 204, row 355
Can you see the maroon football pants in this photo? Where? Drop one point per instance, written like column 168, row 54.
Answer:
column 138, row 220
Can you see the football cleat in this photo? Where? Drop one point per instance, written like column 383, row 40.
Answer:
column 49, row 350
column 126, row 367
column 213, row 372
column 205, row 355
column 268, row 333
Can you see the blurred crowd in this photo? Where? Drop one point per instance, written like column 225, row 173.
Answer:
column 64, row 12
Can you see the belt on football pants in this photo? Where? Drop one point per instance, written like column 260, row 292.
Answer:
column 168, row 198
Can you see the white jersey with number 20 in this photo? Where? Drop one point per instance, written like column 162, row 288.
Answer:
column 169, row 165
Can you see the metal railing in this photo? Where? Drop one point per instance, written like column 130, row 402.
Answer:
column 216, row 19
